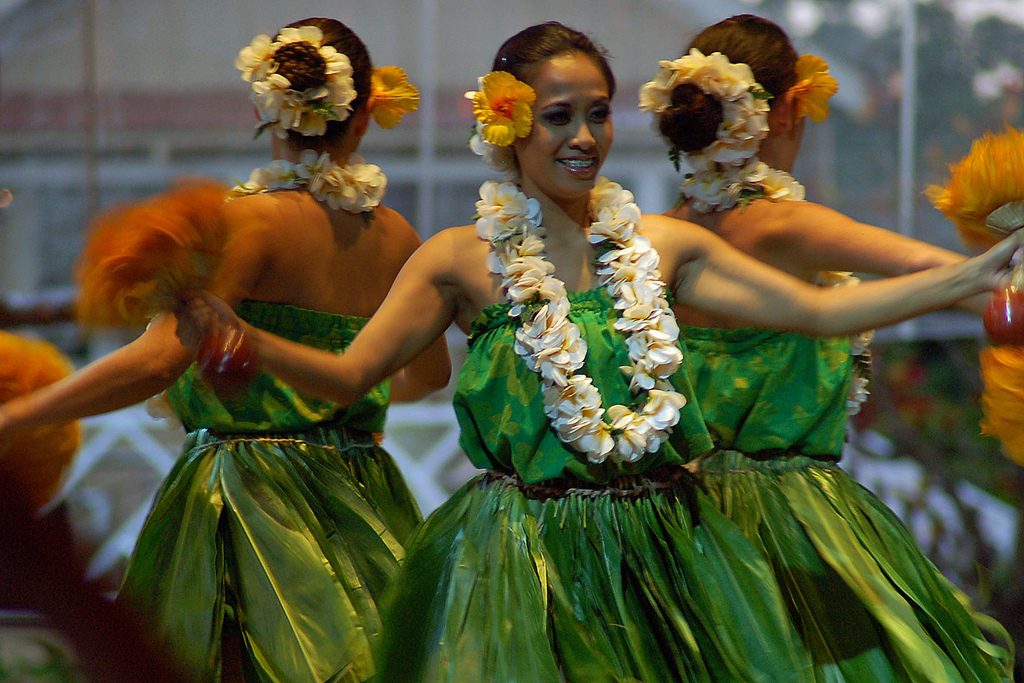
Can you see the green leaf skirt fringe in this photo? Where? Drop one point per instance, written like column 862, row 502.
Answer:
column 867, row 604
column 291, row 537
column 584, row 587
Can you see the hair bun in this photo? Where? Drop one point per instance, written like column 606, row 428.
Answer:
column 691, row 122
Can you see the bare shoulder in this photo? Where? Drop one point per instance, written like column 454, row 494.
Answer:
column 784, row 223
column 398, row 231
column 249, row 206
column 455, row 248
column 676, row 240
column 263, row 213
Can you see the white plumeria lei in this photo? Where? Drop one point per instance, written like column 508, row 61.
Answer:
column 356, row 187
column 731, row 185
column 553, row 346
column 278, row 104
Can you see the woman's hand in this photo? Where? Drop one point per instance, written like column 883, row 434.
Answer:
column 201, row 313
column 996, row 265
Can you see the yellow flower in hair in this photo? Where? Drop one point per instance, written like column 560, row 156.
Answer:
column 989, row 178
column 813, row 87
column 503, row 105
column 393, row 96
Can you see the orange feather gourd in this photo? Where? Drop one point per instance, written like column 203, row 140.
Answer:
column 139, row 258
column 1002, row 369
column 35, row 459
column 984, row 199
column 990, row 176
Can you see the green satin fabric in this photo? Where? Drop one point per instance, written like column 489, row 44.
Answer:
column 270, row 404
column 868, row 605
column 499, row 404
column 498, row 587
column 763, row 391
column 291, row 534
column 586, row 587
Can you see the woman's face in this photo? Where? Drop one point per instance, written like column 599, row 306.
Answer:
column 572, row 129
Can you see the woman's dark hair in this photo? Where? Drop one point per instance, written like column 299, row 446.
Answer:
column 524, row 51
column 691, row 122
column 301, row 68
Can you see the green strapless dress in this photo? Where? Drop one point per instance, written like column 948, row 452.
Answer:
column 547, row 568
column 282, row 516
column 868, row 605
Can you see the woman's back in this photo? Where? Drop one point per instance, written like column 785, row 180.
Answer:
column 292, row 249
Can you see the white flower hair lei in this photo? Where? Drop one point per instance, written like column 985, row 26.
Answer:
column 553, row 346
column 727, row 171
column 282, row 107
column 356, row 187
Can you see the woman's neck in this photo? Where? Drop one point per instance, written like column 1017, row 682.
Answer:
column 777, row 156
column 565, row 238
column 560, row 216
column 282, row 150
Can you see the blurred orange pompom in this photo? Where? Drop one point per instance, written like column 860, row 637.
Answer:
column 989, row 178
column 1002, row 369
column 139, row 257
column 36, row 458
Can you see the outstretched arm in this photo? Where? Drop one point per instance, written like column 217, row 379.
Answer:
column 709, row 274
column 122, row 378
column 819, row 238
column 421, row 305
column 429, row 371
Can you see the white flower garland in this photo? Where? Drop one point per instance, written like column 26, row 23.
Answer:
column 744, row 105
column 278, row 103
column 718, row 176
column 356, row 187
column 553, row 346
column 729, row 186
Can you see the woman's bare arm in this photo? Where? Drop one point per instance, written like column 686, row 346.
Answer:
column 431, row 370
column 421, row 305
column 818, row 238
column 122, row 378
column 710, row 275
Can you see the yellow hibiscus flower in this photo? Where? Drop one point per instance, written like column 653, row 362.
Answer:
column 393, row 96
column 503, row 105
column 813, row 87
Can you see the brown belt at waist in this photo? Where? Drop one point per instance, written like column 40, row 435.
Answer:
column 657, row 480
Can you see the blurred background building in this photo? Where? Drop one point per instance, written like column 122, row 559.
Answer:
column 103, row 101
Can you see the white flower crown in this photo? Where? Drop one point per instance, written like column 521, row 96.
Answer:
column 744, row 105
column 280, row 105
column 721, row 174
